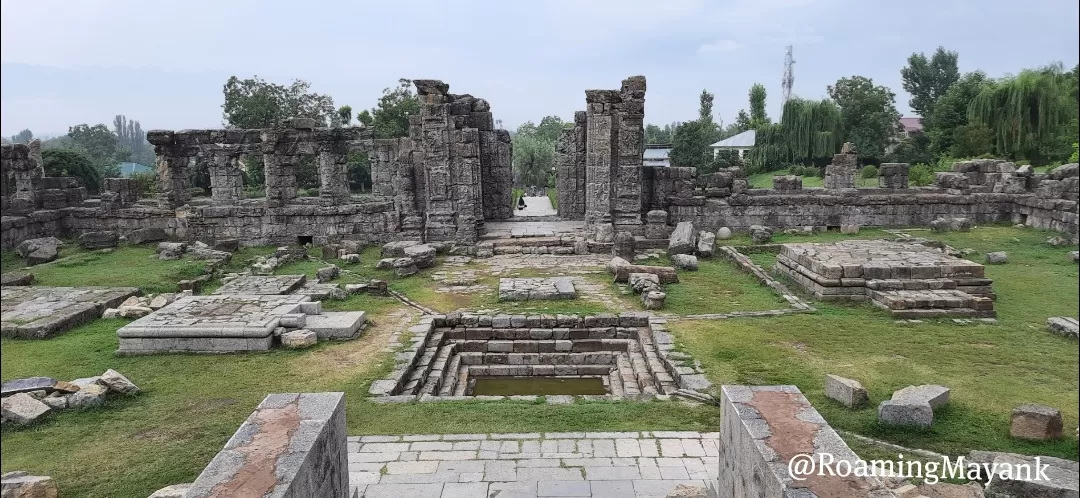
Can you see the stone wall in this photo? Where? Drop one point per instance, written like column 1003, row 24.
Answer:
column 292, row 446
column 754, row 463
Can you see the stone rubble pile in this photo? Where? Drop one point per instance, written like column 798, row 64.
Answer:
column 951, row 225
column 140, row 306
column 28, row 400
column 265, row 265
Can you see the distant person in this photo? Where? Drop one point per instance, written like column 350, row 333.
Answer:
column 521, row 203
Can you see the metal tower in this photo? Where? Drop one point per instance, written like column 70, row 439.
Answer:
column 789, row 76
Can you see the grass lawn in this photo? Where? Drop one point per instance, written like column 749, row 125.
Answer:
column 134, row 266
column 765, row 180
column 192, row 404
column 990, row 368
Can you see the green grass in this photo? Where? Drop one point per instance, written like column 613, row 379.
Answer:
column 192, row 404
column 718, row 286
column 553, row 196
column 765, row 180
column 125, row 266
column 990, row 368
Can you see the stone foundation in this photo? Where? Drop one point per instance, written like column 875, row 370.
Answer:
column 42, row 312
column 762, row 428
column 292, row 445
column 908, row 279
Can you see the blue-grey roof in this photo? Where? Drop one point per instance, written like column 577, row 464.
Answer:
column 656, row 154
column 742, row 140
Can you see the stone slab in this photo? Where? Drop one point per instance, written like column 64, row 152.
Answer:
column 336, row 324
column 41, row 312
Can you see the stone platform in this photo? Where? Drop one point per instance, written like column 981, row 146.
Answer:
column 222, row 324
column 536, row 289
column 532, row 465
column 262, row 285
column 910, row 280
column 41, row 312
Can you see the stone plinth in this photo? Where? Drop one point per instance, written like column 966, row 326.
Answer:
column 41, row 312
column 293, row 445
column 841, row 173
column 536, row 289
column 262, row 285
column 762, row 428
column 908, row 279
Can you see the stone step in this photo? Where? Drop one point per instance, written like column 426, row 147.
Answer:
column 913, row 299
column 336, row 324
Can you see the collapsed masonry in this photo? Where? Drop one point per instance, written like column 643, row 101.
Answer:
column 453, row 172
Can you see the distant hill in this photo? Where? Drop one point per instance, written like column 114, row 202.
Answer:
column 128, row 169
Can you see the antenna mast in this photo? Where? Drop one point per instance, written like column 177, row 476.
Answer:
column 789, row 76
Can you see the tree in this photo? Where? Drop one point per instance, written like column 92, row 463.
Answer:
column 928, row 80
column 690, row 146
column 344, row 114
column 758, row 114
column 709, row 130
column 657, row 135
column 550, row 128
column 23, row 137
column 809, row 131
column 72, row 163
column 913, row 149
column 534, row 159
column 256, row 103
column 951, row 111
column 1029, row 114
column 972, row 140
column 130, row 137
column 868, row 114
column 97, row 142
column 390, row 116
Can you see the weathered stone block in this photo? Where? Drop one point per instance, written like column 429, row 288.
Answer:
column 685, row 262
column 906, row 413
column 22, row 409
column 682, row 240
column 1036, row 422
column 299, row 339
column 997, row 258
column 848, row 392
column 99, row 240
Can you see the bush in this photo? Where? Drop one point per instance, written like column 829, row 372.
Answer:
column 146, row 183
column 920, row 175
column 1075, row 156
column 868, row 171
column 74, row 164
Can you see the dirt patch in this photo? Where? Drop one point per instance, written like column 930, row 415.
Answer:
column 343, row 358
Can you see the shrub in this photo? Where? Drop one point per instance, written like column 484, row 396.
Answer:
column 920, row 175
column 1075, row 156
column 146, row 183
column 868, row 171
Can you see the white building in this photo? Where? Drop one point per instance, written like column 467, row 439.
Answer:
column 741, row 142
column 657, row 155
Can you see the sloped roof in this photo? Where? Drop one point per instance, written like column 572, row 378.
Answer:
column 742, row 140
column 656, row 154
column 911, row 124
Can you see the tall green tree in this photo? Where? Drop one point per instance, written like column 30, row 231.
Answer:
column 344, row 115
column 809, row 131
column 1029, row 114
column 690, row 146
column 256, row 103
column 534, row 159
column 23, row 137
column 97, row 142
column 132, row 138
column 927, row 80
column 390, row 116
column 654, row 134
column 868, row 114
column 951, row 112
column 550, row 128
column 758, row 115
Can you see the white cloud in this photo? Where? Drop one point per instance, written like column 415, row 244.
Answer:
column 719, row 46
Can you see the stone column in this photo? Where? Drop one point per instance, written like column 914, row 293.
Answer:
column 627, row 206
column 226, row 180
column 601, row 157
column 278, row 169
column 435, row 124
column 893, row 175
column 173, row 158
column 841, row 173
column 333, row 175
column 570, row 169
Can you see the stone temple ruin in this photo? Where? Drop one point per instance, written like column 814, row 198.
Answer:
column 452, row 174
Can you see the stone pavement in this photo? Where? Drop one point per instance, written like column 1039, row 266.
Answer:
column 536, row 206
column 533, row 465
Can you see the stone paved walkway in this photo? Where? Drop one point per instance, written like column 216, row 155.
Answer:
column 534, row 465
column 536, row 206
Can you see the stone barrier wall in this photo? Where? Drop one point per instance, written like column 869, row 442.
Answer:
column 292, row 446
column 762, row 428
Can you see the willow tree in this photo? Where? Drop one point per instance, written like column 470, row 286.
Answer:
column 1025, row 112
column 808, row 130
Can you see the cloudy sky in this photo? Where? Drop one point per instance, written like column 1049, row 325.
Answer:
column 164, row 62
